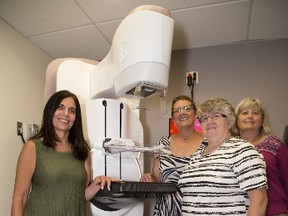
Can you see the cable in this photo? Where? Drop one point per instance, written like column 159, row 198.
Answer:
column 138, row 164
column 191, row 80
column 22, row 137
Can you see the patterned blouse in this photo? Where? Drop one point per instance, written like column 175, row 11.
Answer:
column 216, row 184
column 276, row 156
column 170, row 168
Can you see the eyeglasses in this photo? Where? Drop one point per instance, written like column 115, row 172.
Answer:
column 214, row 116
column 184, row 108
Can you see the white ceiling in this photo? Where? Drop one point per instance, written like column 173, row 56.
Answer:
column 85, row 28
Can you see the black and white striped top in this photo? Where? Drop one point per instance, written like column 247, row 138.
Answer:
column 170, row 169
column 216, row 183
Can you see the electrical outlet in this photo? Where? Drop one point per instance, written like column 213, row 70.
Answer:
column 19, row 128
column 193, row 75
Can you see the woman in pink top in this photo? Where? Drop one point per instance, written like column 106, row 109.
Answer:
column 253, row 128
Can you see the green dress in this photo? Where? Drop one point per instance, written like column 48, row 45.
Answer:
column 58, row 184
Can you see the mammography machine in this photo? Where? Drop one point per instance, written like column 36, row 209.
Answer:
column 110, row 91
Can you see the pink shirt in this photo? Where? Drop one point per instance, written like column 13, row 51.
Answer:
column 275, row 153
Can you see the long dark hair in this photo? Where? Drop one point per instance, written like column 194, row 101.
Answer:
column 47, row 132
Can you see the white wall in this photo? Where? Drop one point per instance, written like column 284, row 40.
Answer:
column 22, row 69
column 258, row 69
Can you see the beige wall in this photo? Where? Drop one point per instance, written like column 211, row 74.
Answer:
column 22, row 69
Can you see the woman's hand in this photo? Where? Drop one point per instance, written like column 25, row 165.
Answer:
column 104, row 181
column 97, row 184
column 148, row 177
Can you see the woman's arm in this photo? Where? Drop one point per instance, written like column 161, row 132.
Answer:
column 25, row 170
column 92, row 187
column 258, row 201
column 155, row 175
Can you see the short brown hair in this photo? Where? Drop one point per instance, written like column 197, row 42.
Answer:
column 185, row 98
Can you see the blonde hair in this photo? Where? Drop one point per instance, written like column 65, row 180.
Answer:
column 254, row 103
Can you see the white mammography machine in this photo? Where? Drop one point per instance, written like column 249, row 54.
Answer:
column 110, row 91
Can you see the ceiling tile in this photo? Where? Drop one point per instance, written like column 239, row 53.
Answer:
column 269, row 19
column 32, row 17
column 210, row 25
column 108, row 29
column 84, row 42
column 103, row 10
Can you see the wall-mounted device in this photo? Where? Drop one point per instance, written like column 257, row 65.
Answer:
column 32, row 129
column 192, row 77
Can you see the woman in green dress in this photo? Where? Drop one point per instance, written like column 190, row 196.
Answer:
column 53, row 170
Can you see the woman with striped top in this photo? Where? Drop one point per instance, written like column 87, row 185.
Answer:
column 226, row 176
column 168, row 167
